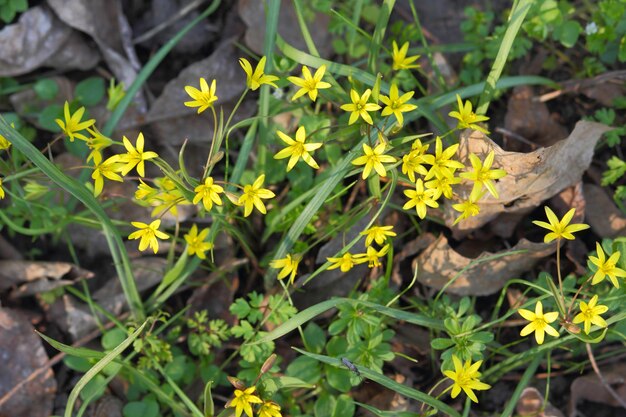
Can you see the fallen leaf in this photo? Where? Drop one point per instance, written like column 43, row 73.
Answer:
column 40, row 39
column 590, row 388
column 484, row 275
column 602, row 214
column 532, row 404
column 31, row 277
column 23, row 354
column 531, row 177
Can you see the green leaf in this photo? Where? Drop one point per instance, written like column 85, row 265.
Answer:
column 314, row 337
column 94, row 389
column 46, row 118
column 90, row 91
column 338, row 378
column 46, row 89
column 209, row 406
column 621, row 53
column 77, row 364
column 240, row 308
column 113, row 338
column 305, row 368
column 344, row 407
column 146, row 408
column 441, row 343
column 568, row 33
column 176, row 368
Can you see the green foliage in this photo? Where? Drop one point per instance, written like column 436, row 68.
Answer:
column 10, row 8
column 205, row 334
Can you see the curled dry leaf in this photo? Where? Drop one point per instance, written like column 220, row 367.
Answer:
column 590, row 388
column 39, row 39
column 36, row 277
column 531, row 177
column 22, row 355
column 484, row 275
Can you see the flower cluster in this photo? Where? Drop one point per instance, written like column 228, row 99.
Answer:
column 244, row 400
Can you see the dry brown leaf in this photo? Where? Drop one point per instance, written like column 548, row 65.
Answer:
column 602, row 214
column 590, row 388
column 532, row 404
column 23, row 354
column 484, row 275
column 32, row 277
column 531, row 177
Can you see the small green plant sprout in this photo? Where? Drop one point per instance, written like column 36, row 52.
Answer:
column 115, row 94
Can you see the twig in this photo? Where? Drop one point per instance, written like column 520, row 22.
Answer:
column 607, row 387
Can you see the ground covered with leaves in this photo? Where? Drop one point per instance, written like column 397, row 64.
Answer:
column 326, row 208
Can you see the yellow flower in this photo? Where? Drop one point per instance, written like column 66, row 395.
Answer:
column 257, row 78
column 400, row 60
column 144, row 191
column 309, row 84
column 208, row 193
column 288, row 266
column 374, row 159
column 377, row 234
column 360, row 107
column 412, row 162
column 297, row 149
column 97, row 142
column 560, row 228
column 467, row 118
column 135, row 156
column 202, row 98
column 72, row 125
column 242, row 401
column 442, row 164
column 539, row 322
column 465, row 377
column 372, row 255
column 420, row 198
column 148, row 233
column 345, row 262
column 468, row 208
column 4, row 142
column 590, row 314
column 107, row 169
column 482, row 174
column 252, row 195
column 196, row 243
column 269, row 409
column 116, row 93
column 606, row 267
column 442, row 186
column 1, row 190
column 396, row 104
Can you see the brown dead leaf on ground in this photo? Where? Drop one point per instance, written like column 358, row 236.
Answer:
column 22, row 354
column 531, row 177
column 590, row 388
column 31, row 277
column 532, row 404
column 602, row 214
column 484, row 275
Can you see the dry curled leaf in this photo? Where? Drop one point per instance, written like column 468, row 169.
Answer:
column 484, row 275
column 531, row 177
column 590, row 388
column 602, row 214
column 532, row 404
column 30, row 277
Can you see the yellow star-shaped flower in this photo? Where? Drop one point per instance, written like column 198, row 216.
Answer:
column 467, row 118
column 420, row 198
column 539, row 322
column 374, row 159
column 148, row 233
column 196, row 243
column 256, row 78
column 560, row 228
column 483, row 175
column 606, row 267
column 252, row 195
column 202, row 98
column 465, row 377
column 2, row 195
column 288, row 266
column 396, row 104
column 400, row 60
column 590, row 314
column 345, row 262
column 107, row 169
column 135, row 156
column 442, row 163
column 309, row 84
column 377, row 234
column 208, row 193
column 297, row 149
column 360, row 107
column 243, row 400
column 72, row 126
column 270, row 409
